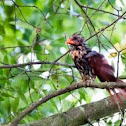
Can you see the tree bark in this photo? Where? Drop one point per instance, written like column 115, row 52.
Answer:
column 108, row 85
column 83, row 114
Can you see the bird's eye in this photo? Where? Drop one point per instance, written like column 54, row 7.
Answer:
column 75, row 38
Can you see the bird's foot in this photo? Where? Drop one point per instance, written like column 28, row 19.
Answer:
column 88, row 82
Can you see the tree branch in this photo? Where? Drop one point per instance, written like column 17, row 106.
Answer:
column 103, row 11
column 101, row 85
column 81, row 115
column 38, row 62
column 103, row 29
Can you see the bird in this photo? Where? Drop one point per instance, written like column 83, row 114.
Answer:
column 92, row 64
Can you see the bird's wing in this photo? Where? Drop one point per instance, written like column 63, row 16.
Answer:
column 101, row 67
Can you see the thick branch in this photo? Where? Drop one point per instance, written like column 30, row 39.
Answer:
column 63, row 91
column 81, row 115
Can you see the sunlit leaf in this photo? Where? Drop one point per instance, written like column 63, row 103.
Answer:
column 22, row 96
column 112, row 55
column 15, row 104
column 21, row 24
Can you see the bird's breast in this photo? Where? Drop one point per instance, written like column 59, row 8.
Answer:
column 78, row 58
column 78, row 54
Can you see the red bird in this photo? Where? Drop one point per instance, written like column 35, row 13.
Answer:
column 91, row 63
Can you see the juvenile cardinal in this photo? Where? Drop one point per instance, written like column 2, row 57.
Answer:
column 91, row 63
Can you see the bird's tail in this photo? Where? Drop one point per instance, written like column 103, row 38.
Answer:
column 117, row 95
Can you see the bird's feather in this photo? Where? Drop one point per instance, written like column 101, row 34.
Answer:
column 101, row 67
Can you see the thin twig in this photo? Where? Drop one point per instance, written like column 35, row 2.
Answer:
column 90, row 21
column 103, row 29
column 99, row 10
column 57, row 60
column 38, row 62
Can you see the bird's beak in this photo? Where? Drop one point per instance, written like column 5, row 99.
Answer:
column 70, row 41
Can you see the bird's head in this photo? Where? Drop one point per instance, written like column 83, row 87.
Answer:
column 76, row 40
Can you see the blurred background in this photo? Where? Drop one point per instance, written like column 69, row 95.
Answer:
column 36, row 30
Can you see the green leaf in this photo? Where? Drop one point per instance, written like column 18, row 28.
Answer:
column 15, row 104
column 1, row 98
column 7, row 95
column 112, row 3
column 2, row 110
column 7, row 105
column 64, row 95
column 28, row 1
column 84, row 95
column 22, row 96
column 2, row 32
column 54, row 104
column 22, row 24
column 117, row 123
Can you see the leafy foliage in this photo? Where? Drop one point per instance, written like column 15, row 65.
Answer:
column 36, row 30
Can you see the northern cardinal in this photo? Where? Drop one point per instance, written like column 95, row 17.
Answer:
column 91, row 63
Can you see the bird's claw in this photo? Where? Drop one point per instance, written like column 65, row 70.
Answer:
column 88, row 82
